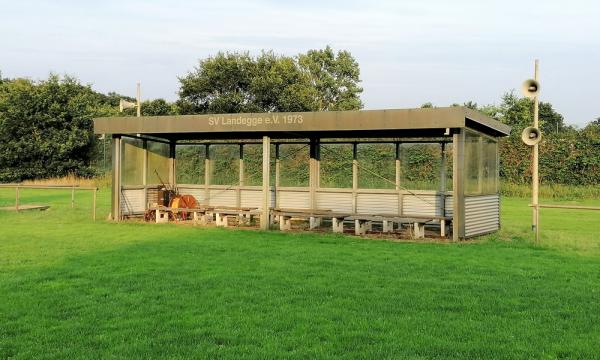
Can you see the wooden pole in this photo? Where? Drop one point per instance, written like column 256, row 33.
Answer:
column 207, row 174
column 571, row 207
column 314, row 172
column 535, row 166
column 238, row 195
column 72, row 196
column 139, row 100
column 277, row 174
column 458, row 185
column 116, row 183
column 354, row 177
column 172, row 165
column 145, row 172
column 94, row 204
column 266, row 190
column 443, row 179
column 398, row 180
column 17, row 198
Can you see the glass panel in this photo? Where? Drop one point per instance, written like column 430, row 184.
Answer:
column 225, row 164
column 336, row 166
column 294, row 165
column 481, row 165
column 490, row 166
column 376, row 166
column 253, row 164
column 449, row 165
column 473, row 159
column 158, row 163
column 190, row 163
column 420, row 166
column 132, row 161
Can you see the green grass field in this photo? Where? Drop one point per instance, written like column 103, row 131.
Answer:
column 71, row 288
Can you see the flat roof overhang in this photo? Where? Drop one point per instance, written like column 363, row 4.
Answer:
column 362, row 123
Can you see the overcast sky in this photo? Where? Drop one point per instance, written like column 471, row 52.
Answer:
column 409, row 52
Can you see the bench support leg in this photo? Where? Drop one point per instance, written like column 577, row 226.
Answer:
column 162, row 217
column 338, row 225
column 285, row 223
column 221, row 220
column 314, row 222
column 419, row 230
column 245, row 219
column 388, row 226
column 361, row 227
column 443, row 229
column 205, row 219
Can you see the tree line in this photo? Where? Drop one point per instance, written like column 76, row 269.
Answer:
column 46, row 127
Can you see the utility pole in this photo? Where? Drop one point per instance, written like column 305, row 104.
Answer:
column 139, row 99
column 535, row 166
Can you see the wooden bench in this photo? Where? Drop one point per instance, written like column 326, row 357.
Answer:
column 162, row 213
column 363, row 223
column 314, row 215
column 224, row 213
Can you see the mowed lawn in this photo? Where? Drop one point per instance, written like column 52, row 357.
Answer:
column 71, row 288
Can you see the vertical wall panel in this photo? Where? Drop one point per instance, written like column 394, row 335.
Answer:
column 482, row 214
column 422, row 205
column 294, row 199
column 370, row 203
column 132, row 202
column 335, row 201
column 251, row 198
column 197, row 192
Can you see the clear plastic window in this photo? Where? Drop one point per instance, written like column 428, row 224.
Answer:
column 158, row 163
column 294, row 167
column 481, row 165
column 420, row 166
column 190, row 163
column 225, row 164
column 253, row 164
column 336, row 166
column 376, row 166
column 132, row 161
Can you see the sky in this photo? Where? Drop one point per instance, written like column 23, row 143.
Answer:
column 410, row 52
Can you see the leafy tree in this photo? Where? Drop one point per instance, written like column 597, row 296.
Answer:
column 46, row 127
column 550, row 120
column 237, row 82
column 158, row 107
column 219, row 84
column 427, row 105
column 334, row 76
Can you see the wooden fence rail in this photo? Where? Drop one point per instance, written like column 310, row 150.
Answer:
column 18, row 187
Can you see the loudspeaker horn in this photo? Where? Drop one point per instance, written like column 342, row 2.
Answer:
column 531, row 136
column 123, row 104
column 530, row 88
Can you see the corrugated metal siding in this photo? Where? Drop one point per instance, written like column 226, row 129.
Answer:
column 482, row 214
column 335, row 201
column 152, row 195
column 294, row 199
column 251, row 198
column 198, row 193
column 377, row 203
column 132, row 202
column 421, row 204
column 449, row 206
column 222, row 197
